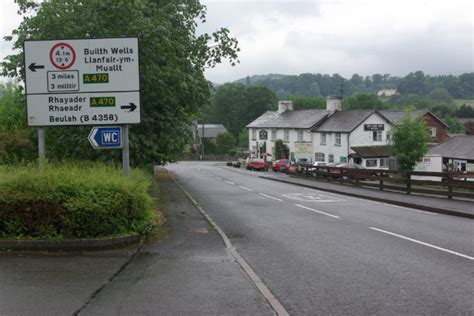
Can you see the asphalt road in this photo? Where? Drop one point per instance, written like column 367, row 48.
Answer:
column 322, row 253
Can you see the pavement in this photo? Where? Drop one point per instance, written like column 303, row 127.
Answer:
column 462, row 208
column 189, row 273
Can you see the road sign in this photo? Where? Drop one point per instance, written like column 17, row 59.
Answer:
column 82, row 82
column 109, row 137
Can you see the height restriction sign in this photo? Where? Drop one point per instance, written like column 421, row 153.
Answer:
column 82, row 82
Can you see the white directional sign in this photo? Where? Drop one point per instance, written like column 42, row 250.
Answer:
column 82, row 82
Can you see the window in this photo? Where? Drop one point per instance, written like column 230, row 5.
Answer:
column 338, row 139
column 371, row 163
column 383, row 163
column 319, row 157
column 263, row 135
column 323, row 138
column 377, row 136
column 274, row 134
column 389, row 135
column 432, row 131
column 300, row 136
column 331, row 157
column 286, row 135
column 254, row 134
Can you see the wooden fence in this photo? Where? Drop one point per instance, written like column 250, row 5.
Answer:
column 446, row 184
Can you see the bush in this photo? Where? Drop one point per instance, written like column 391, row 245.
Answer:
column 73, row 201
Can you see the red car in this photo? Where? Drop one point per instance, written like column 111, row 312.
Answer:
column 280, row 165
column 351, row 169
column 257, row 164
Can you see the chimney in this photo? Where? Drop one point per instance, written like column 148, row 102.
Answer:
column 284, row 106
column 333, row 103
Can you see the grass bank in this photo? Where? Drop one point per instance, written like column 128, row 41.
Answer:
column 74, row 201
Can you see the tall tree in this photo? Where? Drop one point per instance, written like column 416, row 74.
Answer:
column 409, row 142
column 172, row 60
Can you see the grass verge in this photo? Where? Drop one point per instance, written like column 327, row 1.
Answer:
column 68, row 201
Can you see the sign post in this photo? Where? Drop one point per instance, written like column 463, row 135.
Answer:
column 83, row 82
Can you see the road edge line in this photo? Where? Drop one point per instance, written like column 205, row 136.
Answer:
column 251, row 274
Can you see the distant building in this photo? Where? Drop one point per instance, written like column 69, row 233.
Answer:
column 455, row 154
column 210, row 131
column 386, row 92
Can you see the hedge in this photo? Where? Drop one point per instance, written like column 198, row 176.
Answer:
column 73, row 201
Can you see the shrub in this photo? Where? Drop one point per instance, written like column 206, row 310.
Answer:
column 73, row 201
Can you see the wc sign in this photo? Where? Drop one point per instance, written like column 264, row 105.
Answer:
column 106, row 137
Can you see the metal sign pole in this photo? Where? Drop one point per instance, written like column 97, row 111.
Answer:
column 125, row 151
column 41, row 147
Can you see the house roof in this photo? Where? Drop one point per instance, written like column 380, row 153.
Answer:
column 289, row 119
column 344, row 121
column 210, row 130
column 371, row 151
column 458, row 147
column 396, row 117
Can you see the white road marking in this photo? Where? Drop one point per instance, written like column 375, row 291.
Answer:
column 375, row 202
column 271, row 197
column 312, row 209
column 218, row 178
column 245, row 188
column 229, row 182
column 423, row 243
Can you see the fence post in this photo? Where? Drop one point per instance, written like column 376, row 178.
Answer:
column 408, row 175
column 450, row 186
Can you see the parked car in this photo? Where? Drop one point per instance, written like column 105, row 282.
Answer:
column 257, row 164
column 280, row 165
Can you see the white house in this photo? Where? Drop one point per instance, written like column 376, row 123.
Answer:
column 350, row 136
column 293, row 127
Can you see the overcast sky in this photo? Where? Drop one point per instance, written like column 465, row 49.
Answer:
column 333, row 36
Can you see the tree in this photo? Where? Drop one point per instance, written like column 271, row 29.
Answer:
column 225, row 142
column 465, row 111
column 236, row 105
column 244, row 138
column 409, row 142
column 305, row 103
column 363, row 101
column 16, row 141
column 279, row 150
column 172, row 61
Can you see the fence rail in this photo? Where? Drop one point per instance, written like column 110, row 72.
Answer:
column 446, row 184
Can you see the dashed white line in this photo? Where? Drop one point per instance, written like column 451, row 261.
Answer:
column 270, row 197
column 218, row 178
column 423, row 243
column 245, row 188
column 312, row 209
column 374, row 202
column 229, row 182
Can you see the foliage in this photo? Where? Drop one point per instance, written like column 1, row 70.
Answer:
column 172, row 60
column 16, row 141
column 73, row 201
column 303, row 103
column 454, row 125
column 244, row 138
column 364, row 101
column 236, row 105
column 279, row 153
column 409, row 142
column 465, row 111
column 414, row 83
column 225, row 142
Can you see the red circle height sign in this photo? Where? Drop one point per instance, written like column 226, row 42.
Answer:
column 62, row 56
